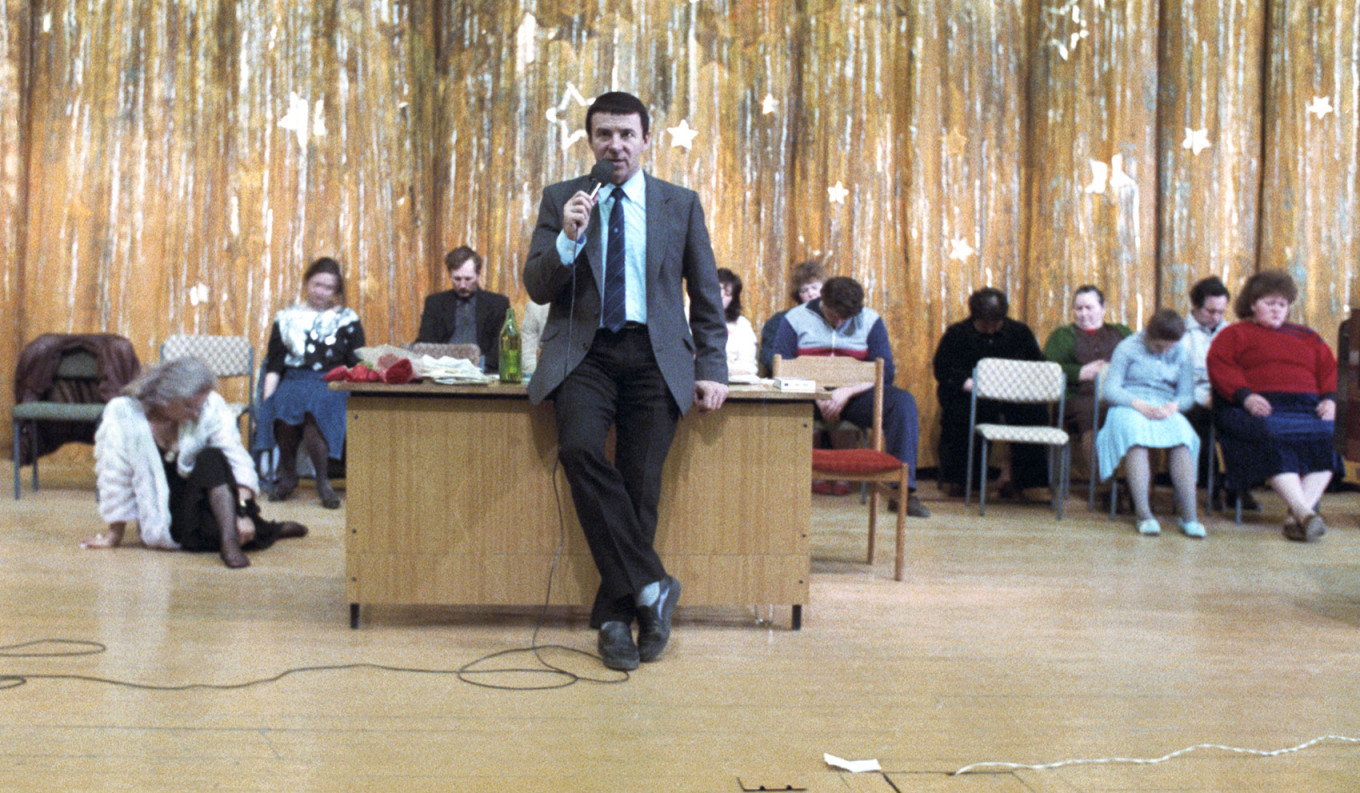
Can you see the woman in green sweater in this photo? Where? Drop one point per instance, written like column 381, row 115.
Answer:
column 1084, row 349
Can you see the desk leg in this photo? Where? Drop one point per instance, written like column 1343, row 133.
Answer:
column 354, row 616
column 798, row 618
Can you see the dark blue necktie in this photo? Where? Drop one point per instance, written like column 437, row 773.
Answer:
column 615, row 310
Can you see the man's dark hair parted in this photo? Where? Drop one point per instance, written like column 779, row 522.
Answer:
column 988, row 304
column 618, row 103
column 455, row 258
column 1205, row 289
column 844, row 296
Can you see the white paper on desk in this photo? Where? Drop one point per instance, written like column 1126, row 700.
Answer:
column 853, row 766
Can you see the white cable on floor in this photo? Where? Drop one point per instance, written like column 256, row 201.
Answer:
column 1150, row 761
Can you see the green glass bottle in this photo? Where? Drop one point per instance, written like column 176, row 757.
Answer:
column 510, row 349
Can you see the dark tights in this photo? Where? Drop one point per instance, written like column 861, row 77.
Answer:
column 289, row 436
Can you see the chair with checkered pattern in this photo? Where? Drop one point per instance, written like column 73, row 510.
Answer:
column 1020, row 382
column 226, row 357
column 884, row 474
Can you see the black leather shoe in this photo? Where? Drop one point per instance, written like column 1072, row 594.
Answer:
column 654, row 621
column 617, row 650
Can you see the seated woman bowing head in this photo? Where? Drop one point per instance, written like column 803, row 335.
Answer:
column 1274, row 387
column 1150, row 383
column 307, row 340
column 168, row 455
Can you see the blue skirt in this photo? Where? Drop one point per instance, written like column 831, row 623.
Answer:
column 1125, row 428
column 300, row 392
column 1291, row 440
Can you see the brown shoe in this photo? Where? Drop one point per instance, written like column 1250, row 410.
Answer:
column 1311, row 530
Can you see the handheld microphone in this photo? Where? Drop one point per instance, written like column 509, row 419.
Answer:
column 600, row 175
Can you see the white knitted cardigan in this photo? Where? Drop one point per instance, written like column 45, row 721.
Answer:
column 131, row 477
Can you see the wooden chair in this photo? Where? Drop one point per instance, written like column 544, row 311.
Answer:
column 884, row 474
column 1020, row 382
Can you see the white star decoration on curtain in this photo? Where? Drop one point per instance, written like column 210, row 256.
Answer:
column 565, row 134
column 1320, row 106
column 769, row 105
column 837, row 193
column 683, row 135
column 198, row 293
column 1196, row 140
column 1105, row 176
column 959, row 249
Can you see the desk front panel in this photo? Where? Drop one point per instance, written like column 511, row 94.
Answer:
column 455, row 500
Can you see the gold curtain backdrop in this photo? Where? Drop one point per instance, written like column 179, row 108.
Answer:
column 170, row 167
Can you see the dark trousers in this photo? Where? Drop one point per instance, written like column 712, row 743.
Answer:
column 1029, row 463
column 618, row 385
column 1202, row 419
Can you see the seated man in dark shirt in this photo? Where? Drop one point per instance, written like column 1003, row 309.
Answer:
column 465, row 314
column 986, row 333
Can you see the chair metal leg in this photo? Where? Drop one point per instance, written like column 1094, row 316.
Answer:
column 968, row 477
column 33, row 438
column 982, row 479
column 1066, row 465
column 17, row 429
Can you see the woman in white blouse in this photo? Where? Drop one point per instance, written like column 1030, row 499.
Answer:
column 741, row 337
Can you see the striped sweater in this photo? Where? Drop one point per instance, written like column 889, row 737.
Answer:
column 805, row 331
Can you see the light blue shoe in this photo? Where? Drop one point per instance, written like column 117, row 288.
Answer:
column 1149, row 527
column 1193, row 528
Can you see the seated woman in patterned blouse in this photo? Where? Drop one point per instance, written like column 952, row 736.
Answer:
column 308, row 339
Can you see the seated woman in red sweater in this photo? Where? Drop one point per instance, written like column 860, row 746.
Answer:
column 1274, row 394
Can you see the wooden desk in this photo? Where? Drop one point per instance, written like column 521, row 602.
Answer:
column 450, row 500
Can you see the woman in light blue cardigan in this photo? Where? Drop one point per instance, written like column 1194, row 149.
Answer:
column 1150, row 383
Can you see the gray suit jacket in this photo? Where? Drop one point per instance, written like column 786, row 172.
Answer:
column 679, row 262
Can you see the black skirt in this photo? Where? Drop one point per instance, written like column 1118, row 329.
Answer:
column 192, row 523
column 1292, row 439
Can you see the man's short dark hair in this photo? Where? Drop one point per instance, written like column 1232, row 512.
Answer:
column 988, row 304
column 844, row 296
column 1165, row 325
column 1205, row 289
column 455, row 258
column 618, row 103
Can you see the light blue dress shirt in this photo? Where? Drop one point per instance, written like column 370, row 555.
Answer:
column 634, row 237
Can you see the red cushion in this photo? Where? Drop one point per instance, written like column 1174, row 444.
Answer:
column 853, row 461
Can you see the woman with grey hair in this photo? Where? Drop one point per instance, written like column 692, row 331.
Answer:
column 168, row 455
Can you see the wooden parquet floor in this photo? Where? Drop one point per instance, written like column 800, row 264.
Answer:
column 1014, row 638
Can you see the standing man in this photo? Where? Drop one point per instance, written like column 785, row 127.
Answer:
column 838, row 323
column 619, row 352
column 465, row 314
column 1208, row 304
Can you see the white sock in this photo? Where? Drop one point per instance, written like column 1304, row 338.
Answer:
column 649, row 594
